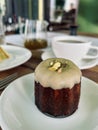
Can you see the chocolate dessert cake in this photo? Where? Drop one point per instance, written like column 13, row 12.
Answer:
column 57, row 87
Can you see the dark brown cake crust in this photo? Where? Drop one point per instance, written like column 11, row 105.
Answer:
column 57, row 103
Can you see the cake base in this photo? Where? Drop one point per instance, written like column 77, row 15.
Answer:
column 57, row 103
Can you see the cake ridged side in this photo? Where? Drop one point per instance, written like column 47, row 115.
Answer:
column 58, row 103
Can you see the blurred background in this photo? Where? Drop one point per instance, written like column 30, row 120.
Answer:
column 56, row 12
column 88, row 16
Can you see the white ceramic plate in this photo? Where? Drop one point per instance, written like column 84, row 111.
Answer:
column 15, row 40
column 19, row 112
column 82, row 64
column 18, row 56
column 19, row 39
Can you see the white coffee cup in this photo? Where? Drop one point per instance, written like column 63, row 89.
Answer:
column 73, row 48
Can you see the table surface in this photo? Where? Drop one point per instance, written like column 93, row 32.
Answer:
column 31, row 64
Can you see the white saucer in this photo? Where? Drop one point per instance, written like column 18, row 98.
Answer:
column 83, row 64
column 19, row 112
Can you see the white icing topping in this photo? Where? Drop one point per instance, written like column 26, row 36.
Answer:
column 67, row 78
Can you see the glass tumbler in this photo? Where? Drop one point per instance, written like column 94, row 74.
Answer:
column 35, row 34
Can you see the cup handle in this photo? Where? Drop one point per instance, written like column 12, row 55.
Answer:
column 92, row 53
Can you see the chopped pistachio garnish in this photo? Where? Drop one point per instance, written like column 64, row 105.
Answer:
column 59, row 70
column 51, row 63
column 55, row 66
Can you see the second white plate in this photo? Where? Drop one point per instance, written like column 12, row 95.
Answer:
column 18, row 56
